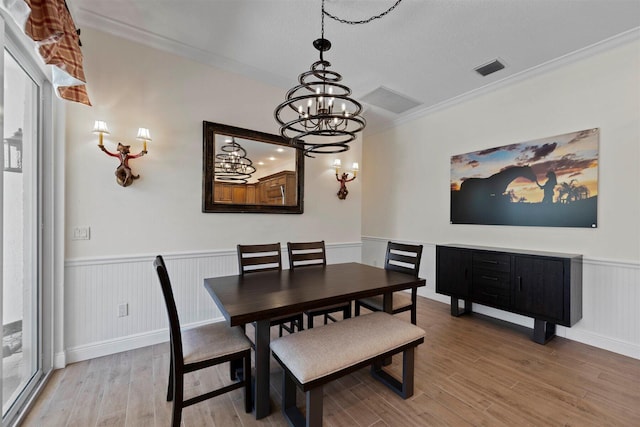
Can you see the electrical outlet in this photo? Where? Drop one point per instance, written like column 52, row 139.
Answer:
column 123, row 310
column 81, row 233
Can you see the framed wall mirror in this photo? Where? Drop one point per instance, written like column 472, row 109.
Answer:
column 250, row 172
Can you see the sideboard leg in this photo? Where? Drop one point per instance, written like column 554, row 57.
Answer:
column 455, row 307
column 543, row 331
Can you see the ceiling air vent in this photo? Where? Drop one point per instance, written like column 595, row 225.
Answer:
column 389, row 100
column 490, row 68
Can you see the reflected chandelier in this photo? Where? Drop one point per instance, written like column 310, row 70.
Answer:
column 318, row 115
column 232, row 163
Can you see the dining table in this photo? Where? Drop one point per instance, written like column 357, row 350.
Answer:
column 260, row 296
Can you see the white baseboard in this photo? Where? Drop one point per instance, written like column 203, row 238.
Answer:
column 60, row 360
column 590, row 338
column 575, row 334
column 127, row 343
column 132, row 342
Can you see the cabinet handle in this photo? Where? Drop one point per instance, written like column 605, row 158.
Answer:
column 488, row 261
column 495, row 279
column 519, row 283
column 494, row 296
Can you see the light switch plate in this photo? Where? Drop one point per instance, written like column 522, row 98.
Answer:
column 81, row 233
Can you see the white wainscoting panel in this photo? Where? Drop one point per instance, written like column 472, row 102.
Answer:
column 610, row 296
column 94, row 288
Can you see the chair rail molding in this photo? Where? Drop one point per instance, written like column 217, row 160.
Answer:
column 610, row 318
column 96, row 287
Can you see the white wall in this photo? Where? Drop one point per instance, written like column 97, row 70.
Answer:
column 410, row 201
column 133, row 86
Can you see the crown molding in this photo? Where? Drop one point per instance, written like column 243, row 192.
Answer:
column 117, row 28
column 586, row 52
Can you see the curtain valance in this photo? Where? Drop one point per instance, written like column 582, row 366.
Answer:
column 51, row 26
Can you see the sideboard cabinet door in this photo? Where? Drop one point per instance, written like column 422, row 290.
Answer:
column 453, row 272
column 538, row 287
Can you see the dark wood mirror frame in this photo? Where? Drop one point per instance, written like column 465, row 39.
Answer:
column 209, row 131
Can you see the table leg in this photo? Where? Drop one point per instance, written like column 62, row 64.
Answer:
column 263, row 354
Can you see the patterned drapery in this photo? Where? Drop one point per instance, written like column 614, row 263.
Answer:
column 50, row 25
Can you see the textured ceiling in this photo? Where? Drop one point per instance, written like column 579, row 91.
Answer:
column 425, row 50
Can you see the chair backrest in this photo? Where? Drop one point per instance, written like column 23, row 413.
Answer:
column 172, row 311
column 303, row 254
column 253, row 258
column 403, row 258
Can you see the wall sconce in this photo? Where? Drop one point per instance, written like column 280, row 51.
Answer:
column 124, row 175
column 344, row 178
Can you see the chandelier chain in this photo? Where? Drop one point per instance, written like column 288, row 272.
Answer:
column 364, row 21
column 322, row 20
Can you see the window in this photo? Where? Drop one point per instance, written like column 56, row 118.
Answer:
column 26, row 291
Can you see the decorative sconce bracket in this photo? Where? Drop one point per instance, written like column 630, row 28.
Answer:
column 344, row 178
column 124, row 174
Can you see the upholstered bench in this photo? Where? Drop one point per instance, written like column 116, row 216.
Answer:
column 314, row 357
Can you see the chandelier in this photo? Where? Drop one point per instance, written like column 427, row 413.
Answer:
column 318, row 115
column 232, row 163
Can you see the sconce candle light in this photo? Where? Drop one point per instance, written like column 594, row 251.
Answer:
column 124, row 175
column 344, row 178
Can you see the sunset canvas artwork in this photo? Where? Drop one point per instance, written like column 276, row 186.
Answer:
column 551, row 181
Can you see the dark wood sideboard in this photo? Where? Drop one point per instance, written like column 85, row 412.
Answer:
column 544, row 285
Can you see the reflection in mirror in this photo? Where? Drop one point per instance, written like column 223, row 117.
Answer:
column 250, row 171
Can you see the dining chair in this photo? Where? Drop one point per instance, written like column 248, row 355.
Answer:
column 201, row 347
column 304, row 254
column 405, row 259
column 268, row 257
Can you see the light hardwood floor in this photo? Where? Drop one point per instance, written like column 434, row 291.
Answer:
column 471, row 370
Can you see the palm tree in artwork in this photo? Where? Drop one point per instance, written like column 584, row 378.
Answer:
column 570, row 192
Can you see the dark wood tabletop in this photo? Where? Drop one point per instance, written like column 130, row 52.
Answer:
column 264, row 295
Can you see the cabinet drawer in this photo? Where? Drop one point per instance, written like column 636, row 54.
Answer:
column 491, row 261
column 486, row 277
column 491, row 287
column 493, row 297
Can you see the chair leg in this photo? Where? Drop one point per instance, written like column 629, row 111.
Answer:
column 309, row 321
column 414, row 302
column 178, row 391
column 357, row 309
column 248, row 400
column 346, row 313
column 170, row 386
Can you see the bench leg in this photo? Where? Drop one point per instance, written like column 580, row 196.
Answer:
column 314, row 407
column 289, row 409
column 407, row 372
column 288, row 393
column 405, row 388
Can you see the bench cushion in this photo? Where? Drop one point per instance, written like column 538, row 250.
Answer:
column 318, row 352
